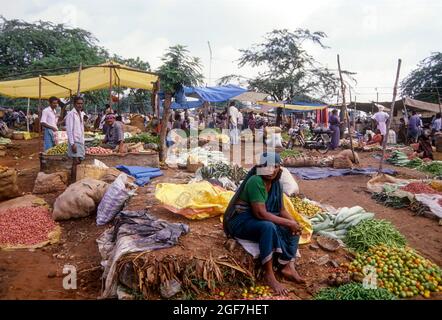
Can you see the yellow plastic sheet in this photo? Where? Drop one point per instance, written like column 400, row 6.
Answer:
column 92, row 78
column 305, row 223
column 194, row 200
column 203, row 200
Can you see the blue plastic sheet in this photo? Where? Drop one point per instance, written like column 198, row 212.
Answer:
column 316, row 173
column 142, row 174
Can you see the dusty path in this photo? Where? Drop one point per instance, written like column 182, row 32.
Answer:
column 38, row 274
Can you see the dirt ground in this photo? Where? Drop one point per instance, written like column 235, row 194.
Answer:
column 38, row 274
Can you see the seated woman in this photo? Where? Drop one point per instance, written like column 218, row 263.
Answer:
column 425, row 150
column 256, row 213
column 377, row 138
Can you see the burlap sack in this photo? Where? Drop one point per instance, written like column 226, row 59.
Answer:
column 8, row 184
column 54, row 182
column 348, row 154
column 79, row 200
column 342, row 163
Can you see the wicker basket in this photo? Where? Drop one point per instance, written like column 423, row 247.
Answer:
column 18, row 136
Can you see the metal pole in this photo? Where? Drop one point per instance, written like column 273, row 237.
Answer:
column 384, row 142
column 345, row 109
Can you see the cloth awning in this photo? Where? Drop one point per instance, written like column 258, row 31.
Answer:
column 251, row 96
column 299, row 106
column 91, row 78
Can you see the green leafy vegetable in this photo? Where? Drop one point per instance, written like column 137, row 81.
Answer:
column 354, row 291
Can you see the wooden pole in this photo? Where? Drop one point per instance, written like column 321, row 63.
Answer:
column 39, row 102
column 438, row 100
column 27, row 114
column 384, row 142
column 345, row 110
column 355, row 113
column 79, row 78
column 110, row 86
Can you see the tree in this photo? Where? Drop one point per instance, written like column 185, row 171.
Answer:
column 289, row 71
column 178, row 69
column 28, row 47
column 424, row 82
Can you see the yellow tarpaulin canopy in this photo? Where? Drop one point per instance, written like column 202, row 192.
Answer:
column 291, row 106
column 91, row 78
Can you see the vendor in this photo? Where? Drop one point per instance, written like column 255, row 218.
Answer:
column 425, row 150
column 376, row 139
column 114, row 134
column 256, row 213
column 49, row 122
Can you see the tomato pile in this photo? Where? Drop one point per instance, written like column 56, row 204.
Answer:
column 401, row 271
column 418, row 187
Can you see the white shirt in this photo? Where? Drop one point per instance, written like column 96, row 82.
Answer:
column 75, row 127
column 49, row 117
column 233, row 112
column 381, row 118
column 240, row 118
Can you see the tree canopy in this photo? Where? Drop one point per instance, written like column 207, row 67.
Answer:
column 424, row 82
column 179, row 68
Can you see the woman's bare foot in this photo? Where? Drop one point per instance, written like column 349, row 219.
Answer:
column 277, row 287
column 289, row 272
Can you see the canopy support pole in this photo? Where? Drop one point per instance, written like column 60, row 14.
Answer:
column 79, row 78
column 438, row 100
column 27, row 114
column 354, row 120
column 39, row 101
column 345, row 110
column 384, row 142
column 110, row 86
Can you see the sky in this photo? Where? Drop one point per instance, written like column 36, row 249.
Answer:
column 369, row 36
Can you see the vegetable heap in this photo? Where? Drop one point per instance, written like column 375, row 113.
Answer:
column 144, row 138
column 401, row 271
column 287, row 153
column 414, row 163
column 398, row 158
column 433, row 167
column 257, row 292
column 419, row 187
column 305, row 207
column 221, row 169
column 391, row 201
column 354, row 291
column 336, row 225
column 373, row 232
column 59, row 149
column 98, row 150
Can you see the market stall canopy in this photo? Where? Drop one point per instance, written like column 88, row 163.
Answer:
column 91, row 78
column 251, row 97
column 411, row 105
column 214, row 94
column 297, row 106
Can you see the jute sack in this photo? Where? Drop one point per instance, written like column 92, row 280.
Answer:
column 8, row 184
column 79, row 200
column 54, row 182
column 342, row 163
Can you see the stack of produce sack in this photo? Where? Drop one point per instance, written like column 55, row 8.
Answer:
column 8, row 183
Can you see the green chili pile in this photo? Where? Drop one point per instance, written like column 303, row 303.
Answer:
column 354, row 291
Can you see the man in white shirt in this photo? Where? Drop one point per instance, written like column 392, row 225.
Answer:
column 381, row 119
column 240, row 120
column 75, row 133
column 49, row 123
column 233, row 123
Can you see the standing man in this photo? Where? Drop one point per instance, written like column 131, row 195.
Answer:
column 413, row 127
column 381, row 119
column 233, row 122
column 114, row 134
column 75, row 133
column 49, row 123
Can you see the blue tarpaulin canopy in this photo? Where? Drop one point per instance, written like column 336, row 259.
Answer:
column 204, row 94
